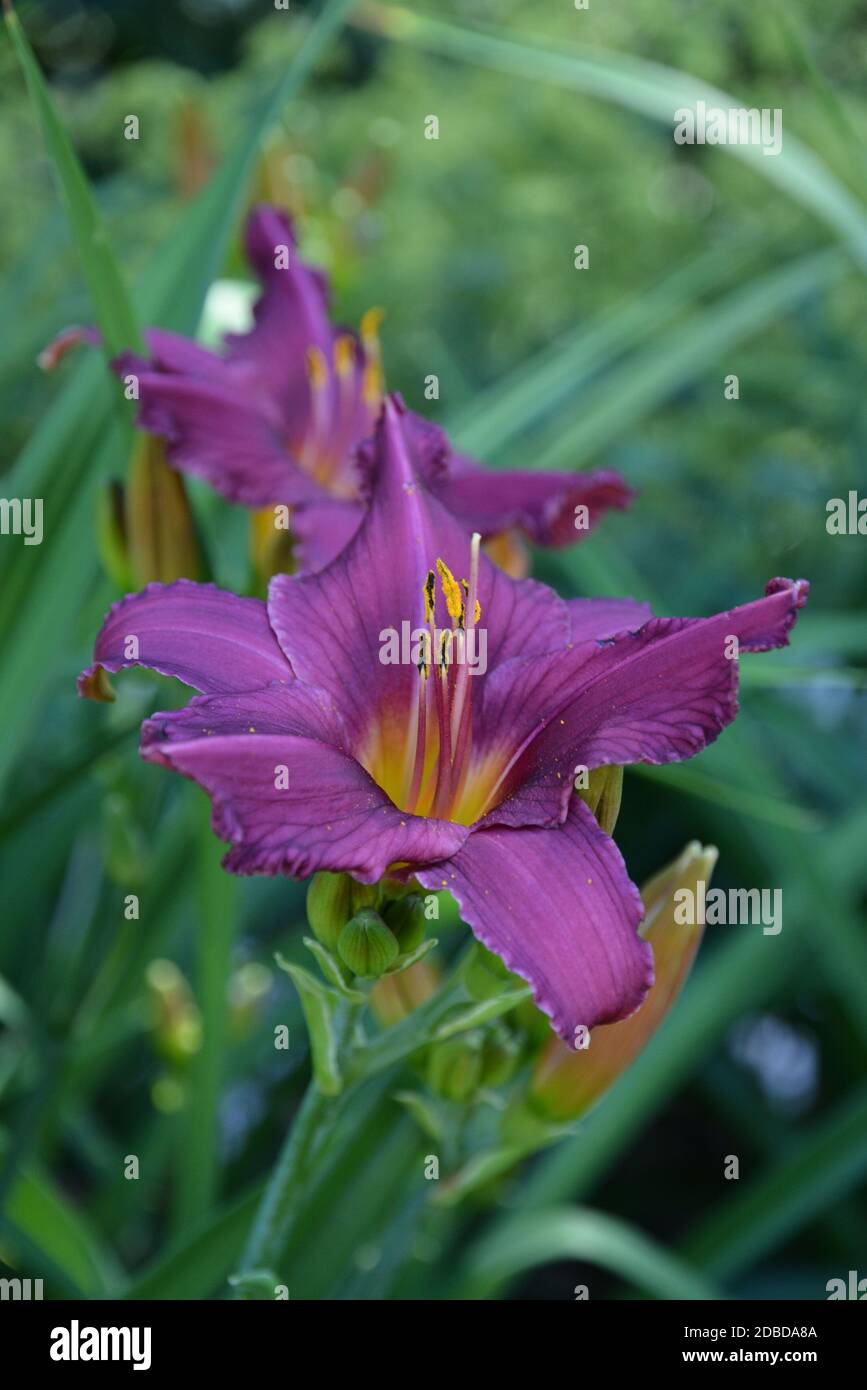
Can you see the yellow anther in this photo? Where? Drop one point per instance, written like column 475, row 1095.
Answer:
column 344, row 354
column 317, row 368
column 429, row 596
column 451, row 592
column 465, row 585
column 370, row 322
column 371, row 386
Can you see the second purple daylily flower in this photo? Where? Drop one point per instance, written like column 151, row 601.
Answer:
column 320, row 752
column 277, row 418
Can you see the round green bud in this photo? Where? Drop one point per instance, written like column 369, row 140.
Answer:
column 366, row 945
column 329, row 906
column 454, row 1069
column 406, row 920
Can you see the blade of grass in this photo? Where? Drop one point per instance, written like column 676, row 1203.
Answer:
column 48, row 597
column 113, row 308
column 826, row 1165
column 196, row 1169
column 649, row 89
column 529, row 392
column 529, row 1239
column 649, row 377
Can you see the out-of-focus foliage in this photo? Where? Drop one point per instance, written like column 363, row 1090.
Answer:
column 153, row 1036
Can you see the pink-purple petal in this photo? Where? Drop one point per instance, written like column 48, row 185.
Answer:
column 560, row 910
column 658, row 695
column 213, row 641
column 544, row 506
column 330, row 624
column 330, row 814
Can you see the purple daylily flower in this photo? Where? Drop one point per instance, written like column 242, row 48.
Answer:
column 277, row 419
column 319, row 751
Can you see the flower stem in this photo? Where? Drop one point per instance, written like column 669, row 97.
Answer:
column 312, row 1128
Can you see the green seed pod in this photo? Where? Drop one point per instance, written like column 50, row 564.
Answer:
column 329, row 906
column 454, row 1069
column 366, row 945
column 406, row 920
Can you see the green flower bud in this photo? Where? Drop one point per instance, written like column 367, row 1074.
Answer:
column 454, row 1069
column 363, row 895
column 603, row 795
column 366, row 945
column 329, row 906
column 406, row 920
column 160, row 529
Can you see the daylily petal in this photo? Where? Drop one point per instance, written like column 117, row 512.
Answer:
column 542, row 505
column 290, row 316
column 658, row 695
column 558, row 907
column 596, row 618
column 323, row 529
column 217, row 430
column 283, row 707
column 211, row 640
column 289, row 803
column 566, row 1083
column 329, row 624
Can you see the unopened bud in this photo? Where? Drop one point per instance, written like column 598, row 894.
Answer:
column 329, row 906
column 160, row 530
column 603, row 794
column 566, row 1083
column 366, row 945
column 407, row 922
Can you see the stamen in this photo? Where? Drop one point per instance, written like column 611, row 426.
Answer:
column 451, row 592
column 474, row 607
column 429, row 596
column 343, row 353
column 373, row 382
column 313, row 458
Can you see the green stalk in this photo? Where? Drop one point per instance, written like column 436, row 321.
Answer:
column 306, row 1140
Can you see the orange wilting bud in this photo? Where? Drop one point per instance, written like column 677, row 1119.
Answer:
column 509, row 552
column 161, row 538
column 395, row 997
column 566, row 1083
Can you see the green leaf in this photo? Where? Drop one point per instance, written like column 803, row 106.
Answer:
column 427, row 1113
column 70, row 453
column 39, row 1215
column 553, row 376
column 825, row 1165
column 536, row 1238
column 647, row 378
column 422, row 950
column 650, row 90
column 319, row 1005
column 334, row 971
column 744, row 800
column 112, row 306
column 194, row 1267
column 216, row 900
column 476, row 1014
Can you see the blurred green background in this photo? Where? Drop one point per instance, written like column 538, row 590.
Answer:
column 154, row 1037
